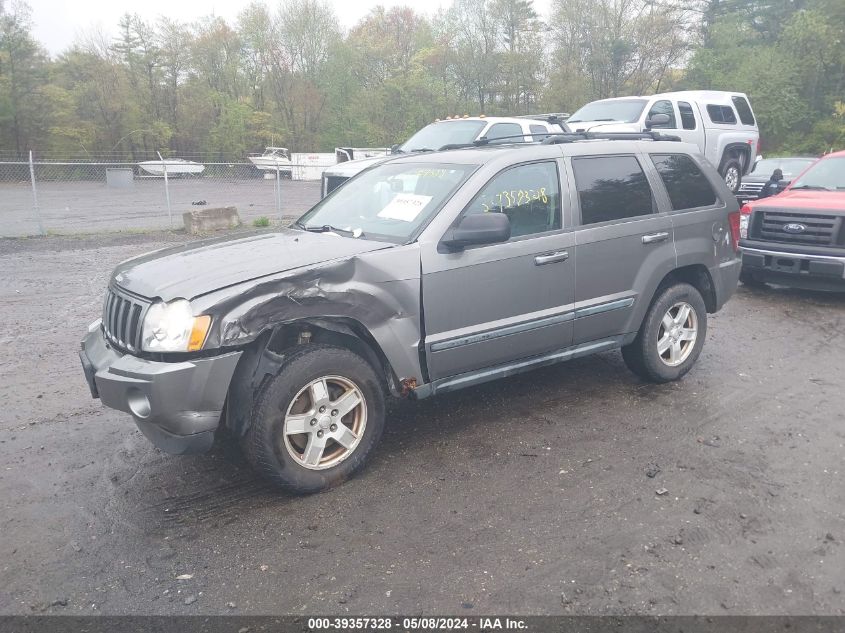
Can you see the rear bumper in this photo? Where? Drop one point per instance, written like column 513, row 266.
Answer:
column 177, row 406
column 726, row 278
column 801, row 270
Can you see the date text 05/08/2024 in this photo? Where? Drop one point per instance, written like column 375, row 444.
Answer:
column 417, row 623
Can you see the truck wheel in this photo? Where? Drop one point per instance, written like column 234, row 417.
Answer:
column 732, row 173
column 317, row 420
column 671, row 336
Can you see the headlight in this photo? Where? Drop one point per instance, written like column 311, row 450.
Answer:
column 172, row 327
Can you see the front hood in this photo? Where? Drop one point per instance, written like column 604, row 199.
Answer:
column 758, row 179
column 195, row 269
column 765, row 179
column 350, row 168
column 604, row 126
column 823, row 202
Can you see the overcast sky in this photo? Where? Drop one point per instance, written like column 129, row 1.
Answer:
column 59, row 22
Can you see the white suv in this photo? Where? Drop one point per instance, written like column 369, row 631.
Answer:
column 722, row 124
column 455, row 132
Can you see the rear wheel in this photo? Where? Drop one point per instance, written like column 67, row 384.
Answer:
column 732, row 173
column 671, row 336
column 317, row 420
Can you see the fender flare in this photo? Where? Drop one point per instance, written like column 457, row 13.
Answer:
column 730, row 151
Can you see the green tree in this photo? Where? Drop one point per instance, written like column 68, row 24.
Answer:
column 23, row 74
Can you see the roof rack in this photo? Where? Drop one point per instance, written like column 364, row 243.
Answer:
column 549, row 117
column 484, row 141
column 550, row 138
column 609, row 136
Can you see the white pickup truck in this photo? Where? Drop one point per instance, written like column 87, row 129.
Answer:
column 454, row 131
column 722, row 124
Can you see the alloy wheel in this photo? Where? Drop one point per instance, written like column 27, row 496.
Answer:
column 732, row 178
column 325, row 422
column 677, row 334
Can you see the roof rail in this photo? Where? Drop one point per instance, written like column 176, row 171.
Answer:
column 609, row 136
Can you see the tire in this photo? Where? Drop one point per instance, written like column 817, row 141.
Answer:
column 749, row 280
column 311, row 392
column 642, row 356
column 732, row 173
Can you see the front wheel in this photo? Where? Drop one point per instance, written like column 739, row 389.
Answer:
column 317, row 420
column 671, row 336
column 732, row 173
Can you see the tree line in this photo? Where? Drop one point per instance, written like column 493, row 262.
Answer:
column 290, row 75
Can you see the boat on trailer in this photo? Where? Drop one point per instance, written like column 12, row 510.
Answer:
column 174, row 166
column 273, row 159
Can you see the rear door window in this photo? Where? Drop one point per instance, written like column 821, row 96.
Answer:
column 686, row 184
column 721, row 114
column 611, row 188
column 664, row 107
column 507, row 132
column 538, row 132
column 744, row 110
column 687, row 116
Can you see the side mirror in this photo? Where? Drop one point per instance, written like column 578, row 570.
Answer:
column 480, row 228
column 656, row 119
column 394, row 147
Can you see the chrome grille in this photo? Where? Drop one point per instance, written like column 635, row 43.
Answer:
column 749, row 191
column 820, row 230
column 751, row 187
column 122, row 319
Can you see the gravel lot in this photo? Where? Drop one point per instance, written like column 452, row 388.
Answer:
column 529, row 495
column 87, row 207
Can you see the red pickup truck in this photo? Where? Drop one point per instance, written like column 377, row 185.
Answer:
column 797, row 238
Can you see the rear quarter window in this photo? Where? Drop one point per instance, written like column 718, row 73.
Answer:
column 686, row 184
column 721, row 114
column 687, row 116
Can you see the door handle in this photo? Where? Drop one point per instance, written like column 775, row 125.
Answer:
column 551, row 258
column 655, row 237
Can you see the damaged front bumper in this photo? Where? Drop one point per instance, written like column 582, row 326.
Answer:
column 177, row 406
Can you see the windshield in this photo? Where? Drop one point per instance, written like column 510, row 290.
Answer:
column 790, row 167
column 623, row 110
column 436, row 135
column 828, row 173
column 389, row 202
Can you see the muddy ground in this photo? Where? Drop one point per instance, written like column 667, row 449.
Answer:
column 529, row 495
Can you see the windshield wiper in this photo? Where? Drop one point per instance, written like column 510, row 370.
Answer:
column 816, row 187
column 324, row 228
column 422, row 149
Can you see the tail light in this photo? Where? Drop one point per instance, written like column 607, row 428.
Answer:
column 734, row 219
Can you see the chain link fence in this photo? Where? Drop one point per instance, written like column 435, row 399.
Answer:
column 41, row 197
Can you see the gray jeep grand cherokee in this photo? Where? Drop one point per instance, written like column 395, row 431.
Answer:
column 425, row 274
